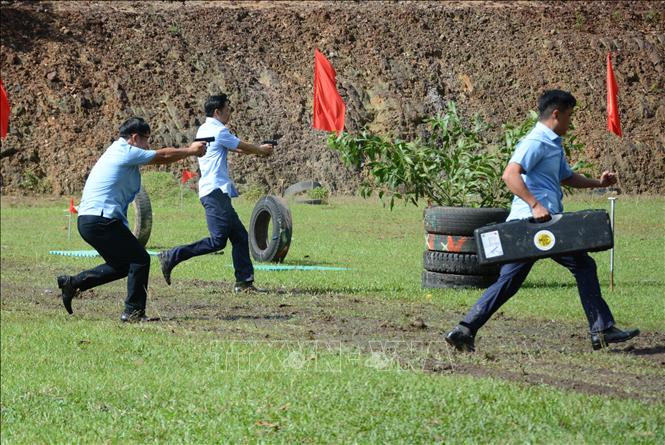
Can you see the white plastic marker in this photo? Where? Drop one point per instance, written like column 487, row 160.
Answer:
column 612, row 199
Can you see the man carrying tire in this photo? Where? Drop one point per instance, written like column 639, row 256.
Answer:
column 534, row 175
column 215, row 192
column 102, row 216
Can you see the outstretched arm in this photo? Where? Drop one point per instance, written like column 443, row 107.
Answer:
column 169, row 155
column 260, row 150
column 580, row 181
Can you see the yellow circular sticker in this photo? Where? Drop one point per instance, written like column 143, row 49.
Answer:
column 544, row 240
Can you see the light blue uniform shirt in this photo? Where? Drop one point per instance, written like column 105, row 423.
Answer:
column 545, row 165
column 214, row 168
column 114, row 181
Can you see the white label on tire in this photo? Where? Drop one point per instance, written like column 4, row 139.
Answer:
column 544, row 240
column 491, row 244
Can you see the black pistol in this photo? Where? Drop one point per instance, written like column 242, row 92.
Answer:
column 207, row 140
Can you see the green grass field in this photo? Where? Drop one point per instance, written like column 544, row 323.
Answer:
column 325, row 357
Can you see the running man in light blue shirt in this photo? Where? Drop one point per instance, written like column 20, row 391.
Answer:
column 215, row 192
column 534, row 175
column 102, row 222
column 543, row 168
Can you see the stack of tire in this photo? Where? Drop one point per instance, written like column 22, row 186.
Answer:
column 451, row 259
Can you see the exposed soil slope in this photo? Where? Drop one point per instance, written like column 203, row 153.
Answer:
column 74, row 71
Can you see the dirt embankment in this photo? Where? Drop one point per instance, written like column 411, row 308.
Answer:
column 75, row 71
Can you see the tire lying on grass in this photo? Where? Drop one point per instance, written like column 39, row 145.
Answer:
column 273, row 246
column 142, row 217
column 448, row 280
column 457, row 263
column 303, row 186
column 300, row 187
column 461, row 220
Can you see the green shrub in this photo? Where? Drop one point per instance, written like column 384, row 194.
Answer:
column 33, row 182
column 652, row 16
column 251, row 192
column 455, row 164
column 321, row 193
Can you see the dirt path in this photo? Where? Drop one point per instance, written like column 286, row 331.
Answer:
column 392, row 335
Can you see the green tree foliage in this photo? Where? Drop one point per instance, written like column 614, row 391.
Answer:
column 455, row 164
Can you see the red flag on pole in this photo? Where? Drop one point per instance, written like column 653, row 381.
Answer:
column 613, row 123
column 72, row 209
column 329, row 107
column 187, row 175
column 4, row 111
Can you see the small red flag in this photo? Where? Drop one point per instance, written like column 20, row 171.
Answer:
column 329, row 107
column 613, row 123
column 187, row 175
column 72, row 209
column 4, row 111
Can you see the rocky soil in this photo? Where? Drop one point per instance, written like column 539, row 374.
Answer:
column 75, row 70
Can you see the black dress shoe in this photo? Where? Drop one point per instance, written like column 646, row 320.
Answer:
column 68, row 291
column 165, row 265
column 242, row 287
column 611, row 335
column 133, row 317
column 461, row 339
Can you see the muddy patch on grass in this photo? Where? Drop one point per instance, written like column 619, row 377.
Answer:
column 391, row 334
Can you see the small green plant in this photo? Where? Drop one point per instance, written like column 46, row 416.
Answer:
column 652, row 16
column 321, row 193
column 580, row 20
column 252, row 192
column 33, row 182
column 173, row 29
column 455, row 164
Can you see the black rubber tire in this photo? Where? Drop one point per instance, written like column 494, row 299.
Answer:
column 456, row 263
column 445, row 280
column 142, row 217
column 300, row 187
column 461, row 220
column 450, row 243
column 309, row 201
column 275, row 247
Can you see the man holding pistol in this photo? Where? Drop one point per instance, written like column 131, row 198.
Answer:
column 215, row 192
column 102, row 222
column 534, row 175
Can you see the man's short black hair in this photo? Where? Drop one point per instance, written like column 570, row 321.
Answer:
column 215, row 102
column 134, row 125
column 552, row 100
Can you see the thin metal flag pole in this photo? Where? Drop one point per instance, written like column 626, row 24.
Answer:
column 612, row 199
column 69, row 225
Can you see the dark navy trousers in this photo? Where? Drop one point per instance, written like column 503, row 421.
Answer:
column 583, row 268
column 124, row 256
column 223, row 224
